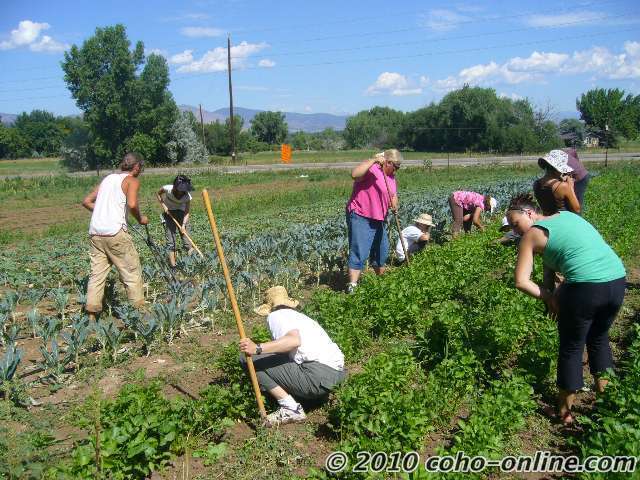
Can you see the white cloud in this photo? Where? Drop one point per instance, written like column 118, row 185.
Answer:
column 200, row 32
column 266, row 63
column 538, row 62
column 598, row 61
column 511, row 96
column 181, row 58
column 48, row 44
column 216, row 60
column 632, row 48
column 565, row 19
column 395, row 84
column 157, row 51
column 308, row 109
column 604, row 64
column 441, row 20
column 28, row 34
column 424, row 81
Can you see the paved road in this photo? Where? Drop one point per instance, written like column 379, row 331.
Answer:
column 436, row 162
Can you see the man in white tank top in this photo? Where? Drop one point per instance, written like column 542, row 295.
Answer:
column 111, row 244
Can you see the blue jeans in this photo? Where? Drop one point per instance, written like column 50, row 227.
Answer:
column 367, row 239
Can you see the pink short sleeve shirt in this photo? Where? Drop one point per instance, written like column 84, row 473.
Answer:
column 369, row 197
column 468, row 200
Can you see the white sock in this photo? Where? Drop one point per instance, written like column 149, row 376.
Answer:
column 288, row 402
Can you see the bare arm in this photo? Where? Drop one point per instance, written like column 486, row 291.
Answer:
column 130, row 187
column 362, row 168
column 187, row 208
column 425, row 237
column 159, row 197
column 476, row 218
column 569, row 195
column 394, row 202
column 533, row 240
column 89, row 201
column 285, row 344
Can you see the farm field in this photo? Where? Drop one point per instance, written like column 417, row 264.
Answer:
column 30, row 166
column 51, row 166
column 444, row 355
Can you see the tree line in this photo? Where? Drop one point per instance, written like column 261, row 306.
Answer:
column 126, row 106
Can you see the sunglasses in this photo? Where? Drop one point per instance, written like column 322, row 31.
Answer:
column 395, row 166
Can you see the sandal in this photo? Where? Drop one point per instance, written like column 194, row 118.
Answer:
column 566, row 420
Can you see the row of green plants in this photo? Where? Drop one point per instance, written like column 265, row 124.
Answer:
column 454, row 325
column 447, row 314
column 614, row 426
column 293, row 257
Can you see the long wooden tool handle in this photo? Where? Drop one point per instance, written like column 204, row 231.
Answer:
column 185, row 234
column 404, row 247
column 234, row 303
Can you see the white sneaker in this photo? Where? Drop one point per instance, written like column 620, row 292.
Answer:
column 285, row 415
column 351, row 287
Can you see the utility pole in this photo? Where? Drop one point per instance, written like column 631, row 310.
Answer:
column 606, row 136
column 231, row 122
column 202, row 125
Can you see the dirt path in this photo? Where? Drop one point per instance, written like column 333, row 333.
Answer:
column 436, row 162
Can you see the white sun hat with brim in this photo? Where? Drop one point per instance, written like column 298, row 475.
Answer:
column 275, row 297
column 558, row 160
column 425, row 219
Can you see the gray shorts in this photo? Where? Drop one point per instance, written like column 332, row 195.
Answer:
column 307, row 381
column 170, row 228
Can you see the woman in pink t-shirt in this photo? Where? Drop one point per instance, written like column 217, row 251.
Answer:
column 366, row 210
column 466, row 208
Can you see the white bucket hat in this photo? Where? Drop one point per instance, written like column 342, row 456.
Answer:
column 425, row 219
column 558, row 160
column 275, row 297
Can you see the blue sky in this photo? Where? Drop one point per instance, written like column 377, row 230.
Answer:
column 334, row 56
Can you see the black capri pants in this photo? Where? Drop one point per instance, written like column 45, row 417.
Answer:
column 586, row 312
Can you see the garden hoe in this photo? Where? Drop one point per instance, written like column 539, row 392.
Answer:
column 157, row 255
column 395, row 214
column 234, row 302
column 184, row 232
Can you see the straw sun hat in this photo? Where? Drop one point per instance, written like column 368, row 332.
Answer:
column 424, row 219
column 275, row 297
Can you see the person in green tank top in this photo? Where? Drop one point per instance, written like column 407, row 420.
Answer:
column 587, row 301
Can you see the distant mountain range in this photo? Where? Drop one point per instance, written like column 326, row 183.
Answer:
column 8, row 118
column 558, row 116
column 308, row 122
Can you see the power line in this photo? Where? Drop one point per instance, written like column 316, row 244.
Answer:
column 441, row 39
column 380, row 32
column 394, row 57
column 365, row 47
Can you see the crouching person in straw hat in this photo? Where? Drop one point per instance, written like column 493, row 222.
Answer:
column 301, row 361
column 415, row 237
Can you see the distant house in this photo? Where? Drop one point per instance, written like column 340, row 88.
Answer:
column 569, row 139
column 591, row 140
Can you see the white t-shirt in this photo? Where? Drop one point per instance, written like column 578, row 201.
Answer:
column 315, row 344
column 411, row 236
column 172, row 202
